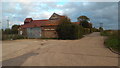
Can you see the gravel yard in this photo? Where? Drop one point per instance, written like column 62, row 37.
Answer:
column 88, row 51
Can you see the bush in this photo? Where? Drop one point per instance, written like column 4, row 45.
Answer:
column 14, row 29
column 81, row 31
column 77, row 31
column 69, row 31
column 7, row 31
column 94, row 29
column 86, row 31
column 85, row 24
column 12, row 37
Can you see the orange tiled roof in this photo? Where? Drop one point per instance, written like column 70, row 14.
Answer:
column 62, row 16
column 76, row 22
column 39, row 23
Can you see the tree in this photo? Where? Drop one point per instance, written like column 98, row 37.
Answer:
column 83, row 18
column 7, row 31
column 65, row 19
column 85, row 24
column 84, row 21
column 15, row 29
column 100, row 29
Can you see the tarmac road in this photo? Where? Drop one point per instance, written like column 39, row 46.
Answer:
column 88, row 51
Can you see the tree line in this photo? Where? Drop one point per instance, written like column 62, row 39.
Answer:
column 13, row 30
column 11, row 34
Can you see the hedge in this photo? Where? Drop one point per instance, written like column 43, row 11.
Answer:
column 69, row 31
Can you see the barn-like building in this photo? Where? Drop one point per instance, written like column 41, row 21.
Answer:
column 41, row 28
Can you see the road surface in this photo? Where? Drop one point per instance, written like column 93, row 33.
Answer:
column 88, row 51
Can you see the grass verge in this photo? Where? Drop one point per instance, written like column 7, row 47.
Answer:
column 113, row 40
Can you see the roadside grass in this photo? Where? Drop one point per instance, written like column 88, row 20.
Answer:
column 106, row 33
column 113, row 40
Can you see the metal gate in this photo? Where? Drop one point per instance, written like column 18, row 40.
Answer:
column 34, row 32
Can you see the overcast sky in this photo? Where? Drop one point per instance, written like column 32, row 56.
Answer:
column 98, row 12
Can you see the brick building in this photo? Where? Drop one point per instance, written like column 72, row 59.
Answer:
column 41, row 28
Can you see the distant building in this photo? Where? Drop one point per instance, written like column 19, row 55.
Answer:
column 41, row 28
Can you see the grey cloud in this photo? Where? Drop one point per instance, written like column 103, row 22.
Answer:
column 105, row 12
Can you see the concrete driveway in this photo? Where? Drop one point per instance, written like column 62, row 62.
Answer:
column 88, row 51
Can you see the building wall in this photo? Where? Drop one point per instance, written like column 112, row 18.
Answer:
column 40, row 32
column 49, row 32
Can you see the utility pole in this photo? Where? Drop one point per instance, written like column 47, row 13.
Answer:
column 1, row 24
column 101, row 27
column 8, row 22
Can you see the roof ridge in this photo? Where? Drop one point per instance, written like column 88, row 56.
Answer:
column 42, row 20
column 59, row 15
